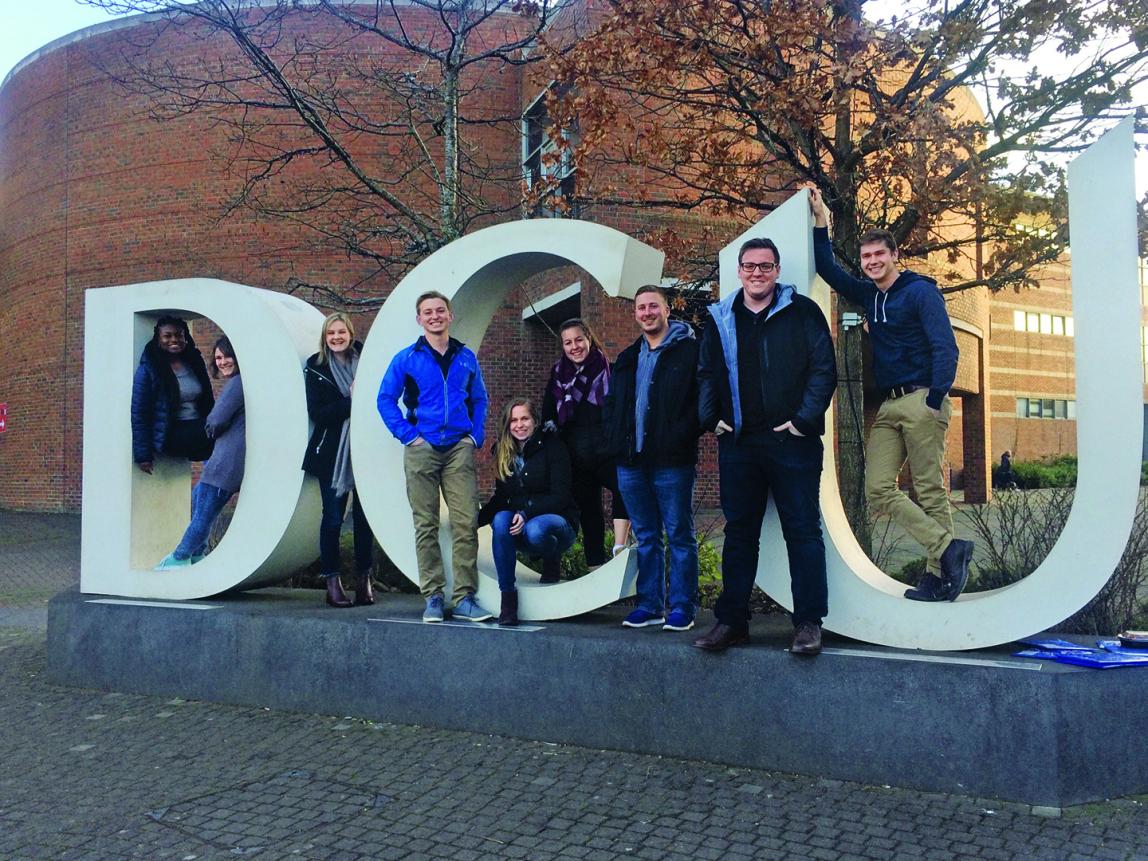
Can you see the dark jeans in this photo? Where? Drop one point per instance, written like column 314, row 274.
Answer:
column 790, row 467
column 588, row 481
column 334, row 510
column 663, row 497
column 547, row 535
column 207, row 501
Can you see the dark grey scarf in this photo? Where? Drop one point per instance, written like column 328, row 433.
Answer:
column 343, row 479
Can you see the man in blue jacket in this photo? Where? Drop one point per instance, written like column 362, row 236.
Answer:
column 441, row 387
column 766, row 376
column 915, row 363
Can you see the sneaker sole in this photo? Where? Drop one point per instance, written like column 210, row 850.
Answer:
column 645, row 624
column 433, row 621
column 456, row 617
column 669, row 627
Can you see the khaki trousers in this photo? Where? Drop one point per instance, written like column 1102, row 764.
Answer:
column 907, row 430
column 451, row 473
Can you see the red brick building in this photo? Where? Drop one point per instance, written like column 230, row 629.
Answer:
column 94, row 193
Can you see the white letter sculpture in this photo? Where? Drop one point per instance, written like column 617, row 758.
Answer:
column 131, row 520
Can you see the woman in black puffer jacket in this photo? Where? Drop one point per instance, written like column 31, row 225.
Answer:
column 171, row 397
column 532, row 508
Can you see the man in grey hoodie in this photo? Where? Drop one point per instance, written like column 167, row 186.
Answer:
column 915, row 363
column 651, row 425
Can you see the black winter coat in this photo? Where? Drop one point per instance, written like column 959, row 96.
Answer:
column 798, row 369
column 155, row 401
column 583, row 434
column 542, row 487
column 672, row 429
column 328, row 409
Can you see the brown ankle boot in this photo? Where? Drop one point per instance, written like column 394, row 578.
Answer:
column 364, row 593
column 508, row 617
column 336, row 597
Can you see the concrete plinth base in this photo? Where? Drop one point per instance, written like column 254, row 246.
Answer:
column 979, row 723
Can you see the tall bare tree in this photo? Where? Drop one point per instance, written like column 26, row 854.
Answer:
column 368, row 123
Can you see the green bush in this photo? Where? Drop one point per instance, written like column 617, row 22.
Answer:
column 1057, row 471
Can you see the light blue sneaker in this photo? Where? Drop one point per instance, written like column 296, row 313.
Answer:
column 433, row 612
column 468, row 610
column 641, row 618
column 678, row 620
column 168, row 562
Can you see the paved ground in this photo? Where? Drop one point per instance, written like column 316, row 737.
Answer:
column 92, row 775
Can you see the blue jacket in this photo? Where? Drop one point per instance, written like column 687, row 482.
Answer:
column 909, row 328
column 798, row 374
column 154, row 401
column 440, row 410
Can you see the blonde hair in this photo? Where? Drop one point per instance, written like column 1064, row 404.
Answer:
column 506, row 448
column 337, row 317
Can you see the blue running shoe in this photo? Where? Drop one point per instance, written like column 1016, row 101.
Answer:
column 168, row 562
column 678, row 620
column 433, row 612
column 641, row 618
column 468, row 610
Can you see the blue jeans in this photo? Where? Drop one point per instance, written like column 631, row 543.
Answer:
column 657, row 498
column 790, row 468
column 330, row 527
column 207, row 501
column 547, row 535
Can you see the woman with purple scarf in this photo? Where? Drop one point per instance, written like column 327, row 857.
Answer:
column 573, row 405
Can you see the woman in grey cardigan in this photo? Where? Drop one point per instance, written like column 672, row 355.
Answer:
column 223, row 473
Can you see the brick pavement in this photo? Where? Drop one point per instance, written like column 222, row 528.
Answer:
column 93, row 775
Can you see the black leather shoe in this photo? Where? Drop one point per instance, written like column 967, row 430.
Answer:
column 720, row 637
column 929, row 588
column 806, row 639
column 955, row 568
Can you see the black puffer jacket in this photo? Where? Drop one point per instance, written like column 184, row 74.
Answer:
column 672, row 429
column 328, row 409
column 542, row 487
column 155, row 399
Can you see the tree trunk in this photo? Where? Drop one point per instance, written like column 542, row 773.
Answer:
column 850, row 387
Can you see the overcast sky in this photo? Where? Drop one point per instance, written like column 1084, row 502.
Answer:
column 26, row 25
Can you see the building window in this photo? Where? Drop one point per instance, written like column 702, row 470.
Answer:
column 1042, row 324
column 1045, row 408
column 547, row 168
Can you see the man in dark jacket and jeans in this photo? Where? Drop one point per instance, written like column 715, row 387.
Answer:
column 915, row 363
column 766, row 376
column 652, row 426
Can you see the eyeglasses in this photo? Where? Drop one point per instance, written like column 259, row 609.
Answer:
column 759, row 267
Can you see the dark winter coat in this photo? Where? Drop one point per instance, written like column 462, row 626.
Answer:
column 155, row 399
column 542, row 487
column 798, row 370
column 672, row 429
column 327, row 408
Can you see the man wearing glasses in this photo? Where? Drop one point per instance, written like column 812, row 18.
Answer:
column 766, row 375
column 915, row 363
